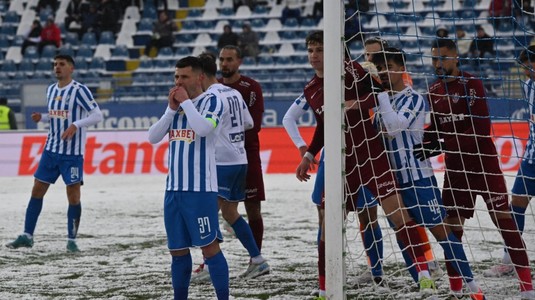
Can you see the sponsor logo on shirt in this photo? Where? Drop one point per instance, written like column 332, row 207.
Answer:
column 452, row 118
column 186, row 135
column 236, row 137
column 59, row 114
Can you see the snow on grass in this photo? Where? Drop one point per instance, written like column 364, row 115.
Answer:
column 124, row 254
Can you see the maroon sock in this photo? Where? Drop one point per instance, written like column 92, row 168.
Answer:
column 517, row 251
column 409, row 236
column 257, row 227
column 321, row 265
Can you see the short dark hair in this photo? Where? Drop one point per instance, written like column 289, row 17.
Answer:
column 208, row 61
column 389, row 54
column 527, row 55
column 314, row 37
column 189, row 61
column 442, row 42
column 235, row 48
column 377, row 40
column 66, row 57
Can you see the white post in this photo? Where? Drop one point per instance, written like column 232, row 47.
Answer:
column 333, row 16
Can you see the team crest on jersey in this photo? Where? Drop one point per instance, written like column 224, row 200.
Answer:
column 455, row 98
column 58, row 98
column 58, row 114
column 185, row 135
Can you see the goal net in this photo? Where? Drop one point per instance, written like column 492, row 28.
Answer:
column 489, row 39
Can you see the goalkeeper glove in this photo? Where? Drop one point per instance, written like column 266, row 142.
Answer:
column 428, row 150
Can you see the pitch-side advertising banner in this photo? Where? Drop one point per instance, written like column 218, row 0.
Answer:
column 129, row 152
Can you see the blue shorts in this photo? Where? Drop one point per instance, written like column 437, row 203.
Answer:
column 231, row 182
column 525, row 180
column 422, row 198
column 191, row 219
column 365, row 197
column 51, row 165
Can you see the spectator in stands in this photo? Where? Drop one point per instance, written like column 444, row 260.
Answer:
column 50, row 35
column 482, row 45
column 33, row 37
column 292, row 9
column 162, row 34
column 317, row 10
column 442, row 32
column 73, row 20
column 227, row 38
column 249, row 42
column 90, row 20
column 51, row 5
column 108, row 16
column 7, row 116
column 463, row 43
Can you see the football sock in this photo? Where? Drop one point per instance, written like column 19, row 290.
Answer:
column 454, row 253
column 406, row 257
column 245, row 235
column 321, row 265
column 218, row 269
column 426, row 246
column 74, row 212
column 456, row 282
column 373, row 243
column 408, row 235
column 32, row 214
column 519, row 215
column 517, row 250
column 257, row 227
column 180, row 275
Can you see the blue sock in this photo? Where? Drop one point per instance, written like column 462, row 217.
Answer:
column 245, row 235
column 373, row 242
column 32, row 214
column 519, row 215
column 318, row 238
column 180, row 275
column 411, row 266
column 74, row 212
column 454, row 252
column 218, row 268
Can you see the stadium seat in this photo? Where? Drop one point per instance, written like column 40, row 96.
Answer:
column 120, row 52
column 274, row 25
column 248, row 61
column 265, row 61
column 226, row 12
column 260, row 10
column 31, row 53
column 185, row 38
column 291, row 23
column 11, row 17
column 286, row 49
column 65, row 49
column 107, row 38
column 145, row 26
column 4, row 41
column 283, row 61
column 188, row 25
column 49, row 51
column 89, row 39
column 7, row 29
column 182, row 51
column 80, row 64
column 205, row 25
column 149, row 12
column 243, row 12
column 132, row 12
column 85, row 51
column 72, row 39
column 300, row 60
column 145, row 64
column 43, row 68
column 287, row 35
column 271, row 37
column 9, row 67
column 97, row 64
column 258, row 24
column 210, row 14
column 195, row 13
column 308, row 23
column 26, row 67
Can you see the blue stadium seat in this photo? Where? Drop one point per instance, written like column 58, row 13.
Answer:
column 11, row 17
column 163, row 64
column 43, row 68
column 185, row 38
column 469, row 14
column 248, row 61
column 71, row 38
column 226, row 12
column 300, row 60
column 194, row 13
column 145, row 64
column 149, row 12
column 120, row 52
column 9, row 67
column 261, row 10
column 205, row 25
column 145, row 24
column 31, row 53
column 85, row 52
column 97, row 64
column 80, row 64
column 283, row 61
column 188, row 25
column 107, row 38
column 165, row 52
column 182, row 51
column 4, row 41
column 308, row 23
column 49, row 51
column 8, row 29
column 258, row 23
column 291, row 23
column 265, row 60
column 287, row 35
column 26, row 67
column 66, row 49
column 89, row 39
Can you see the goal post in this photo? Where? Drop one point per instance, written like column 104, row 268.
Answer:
column 335, row 272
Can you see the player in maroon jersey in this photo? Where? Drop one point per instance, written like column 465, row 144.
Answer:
column 366, row 162
column 460, row 117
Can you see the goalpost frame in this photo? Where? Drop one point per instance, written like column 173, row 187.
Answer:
column 335, row 271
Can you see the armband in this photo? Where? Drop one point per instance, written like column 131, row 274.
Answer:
column 309, row 156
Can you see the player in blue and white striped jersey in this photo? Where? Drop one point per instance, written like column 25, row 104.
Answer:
column 400, row 118
column 71, row 109
column 191, row 122
column 231, row 160
column 524, row 187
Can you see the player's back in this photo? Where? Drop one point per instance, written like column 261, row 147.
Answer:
column 230, row 142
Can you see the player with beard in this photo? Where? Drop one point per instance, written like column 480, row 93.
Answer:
column 460, row 118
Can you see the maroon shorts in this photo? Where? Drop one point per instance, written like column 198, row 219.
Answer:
column 254, row 190
column 375, row 174
column 462, row 188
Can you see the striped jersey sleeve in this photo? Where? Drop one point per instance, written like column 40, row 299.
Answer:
column 192, row 164
column 529, row 94
column 65, row 106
